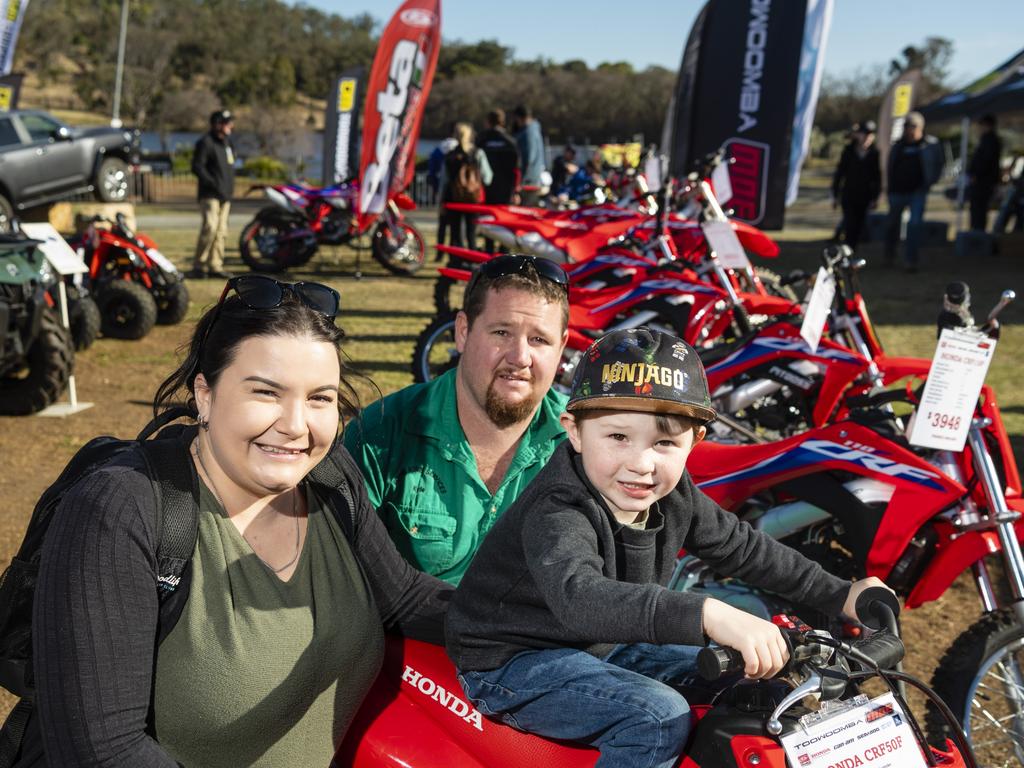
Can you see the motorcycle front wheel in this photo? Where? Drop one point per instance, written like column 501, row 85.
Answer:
column 981, row 678
column 435, row 352
column 398, row 247
column 269, row 244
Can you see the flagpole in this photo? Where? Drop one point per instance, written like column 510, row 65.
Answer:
column 115, row 120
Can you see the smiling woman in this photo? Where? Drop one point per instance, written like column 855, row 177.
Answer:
column 277, row 629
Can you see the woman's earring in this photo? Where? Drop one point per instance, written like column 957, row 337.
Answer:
column 203, row 423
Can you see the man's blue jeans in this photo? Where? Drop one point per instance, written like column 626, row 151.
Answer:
column 619, row 704
column 897, row 203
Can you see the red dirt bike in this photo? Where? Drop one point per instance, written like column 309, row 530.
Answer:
column 669, row 298
column 135, row 286
column 417, row 716
column 857, row 498
column 287, row 233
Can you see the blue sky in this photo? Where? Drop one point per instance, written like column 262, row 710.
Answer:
column 864, row 32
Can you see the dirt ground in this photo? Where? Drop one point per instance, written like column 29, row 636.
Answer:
column 383, row 315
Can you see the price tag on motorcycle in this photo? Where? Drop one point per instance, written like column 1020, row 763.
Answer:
column 723, row 241
column 722, row 183
column 875, row 733
column 818, row 307
column 943, row 417
column 56, row 249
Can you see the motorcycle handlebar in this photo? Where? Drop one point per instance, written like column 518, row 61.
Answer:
column 876, row 607
column 713, row 663
column 883, row 648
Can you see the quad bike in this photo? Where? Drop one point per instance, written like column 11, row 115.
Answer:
column 134, row 284
column 36, row 351
column 287, row 233
column 83, row 313
column 856, row 497
column 417, row 716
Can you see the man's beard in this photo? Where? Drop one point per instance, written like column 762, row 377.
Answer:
column 503, row 413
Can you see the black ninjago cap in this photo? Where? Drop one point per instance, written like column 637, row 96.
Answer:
column 642, row 370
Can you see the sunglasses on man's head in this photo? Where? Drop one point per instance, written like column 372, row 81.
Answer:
column 517, row 264
column 262, row 292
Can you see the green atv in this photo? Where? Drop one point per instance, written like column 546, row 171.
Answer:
column 36, row 350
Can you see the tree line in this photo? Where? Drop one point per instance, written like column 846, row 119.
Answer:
column 185, row 58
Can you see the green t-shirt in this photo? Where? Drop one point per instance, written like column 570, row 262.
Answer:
column 262, row 672
column 421, row 474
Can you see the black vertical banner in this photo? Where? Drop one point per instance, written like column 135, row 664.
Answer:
column 341, row 127
column 737, row 88
column 10, row 90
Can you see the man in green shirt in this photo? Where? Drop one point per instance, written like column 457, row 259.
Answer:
column 443, row 459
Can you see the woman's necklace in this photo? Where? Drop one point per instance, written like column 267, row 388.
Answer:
column 295, row 514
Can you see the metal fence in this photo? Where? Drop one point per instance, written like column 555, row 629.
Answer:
column 146, row 186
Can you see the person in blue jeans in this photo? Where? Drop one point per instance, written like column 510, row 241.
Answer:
column 915, row 163
column 562, row 626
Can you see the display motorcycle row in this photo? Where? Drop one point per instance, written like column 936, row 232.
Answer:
column 810, row 447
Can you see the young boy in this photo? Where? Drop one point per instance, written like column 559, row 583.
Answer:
column 562, row 626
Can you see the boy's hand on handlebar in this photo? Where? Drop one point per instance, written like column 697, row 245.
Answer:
column 850, row 606
column 761, row 643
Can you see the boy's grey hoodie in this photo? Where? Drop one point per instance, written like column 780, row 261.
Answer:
column 557, row 570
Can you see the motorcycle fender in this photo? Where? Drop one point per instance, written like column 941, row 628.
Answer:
column 954, row 558
column 759, row 751
column 754, row 240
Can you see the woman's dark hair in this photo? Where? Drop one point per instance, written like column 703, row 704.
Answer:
column 224, row 327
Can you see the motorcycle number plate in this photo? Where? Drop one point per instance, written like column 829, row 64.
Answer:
column 727, row 247
column 818, row 306
column 943, row 417
column 875, row 733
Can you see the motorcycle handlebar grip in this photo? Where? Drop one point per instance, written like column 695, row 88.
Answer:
column 883, row 648
column 873, row 606
column 713, row 663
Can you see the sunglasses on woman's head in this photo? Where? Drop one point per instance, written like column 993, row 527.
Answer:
column 262, row 292
column 517, row 264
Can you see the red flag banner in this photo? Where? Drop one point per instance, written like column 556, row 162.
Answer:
column 396, row 95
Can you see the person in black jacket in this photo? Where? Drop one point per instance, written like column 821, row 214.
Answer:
column 503, row 157
column 857, row 181
column 281, row 633
column 213, row 163
column 563, row 625
column 983, row 172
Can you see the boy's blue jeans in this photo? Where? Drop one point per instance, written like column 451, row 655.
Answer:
column 619, row 704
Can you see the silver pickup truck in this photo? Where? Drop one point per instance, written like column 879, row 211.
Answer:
column 43, row 159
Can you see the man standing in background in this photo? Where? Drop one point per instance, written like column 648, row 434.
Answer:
column 857, row 182
column 531, row 154
column 915, row 163
column 502, row 156
column 983, row 172
column 213, row 163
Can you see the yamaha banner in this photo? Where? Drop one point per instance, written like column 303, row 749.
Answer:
column 11, row 14
column 396, row 96
column 341, row 127
column 738, row 86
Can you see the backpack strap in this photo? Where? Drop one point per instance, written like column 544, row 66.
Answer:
column 331, row 475
column 13, row 731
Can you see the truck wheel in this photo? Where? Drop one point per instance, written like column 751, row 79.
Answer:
column 112, row 180
column 44, row 376
column 173, row 306
column 127, row 308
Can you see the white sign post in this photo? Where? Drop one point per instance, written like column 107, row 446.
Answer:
column 64, row 262
column 727, row 247
column 818, row 307
column 875, row 733
column 943, row 417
